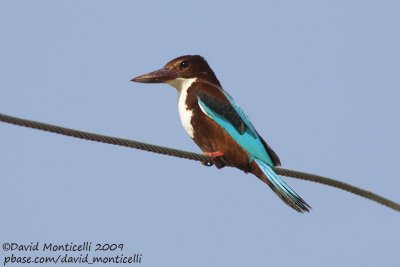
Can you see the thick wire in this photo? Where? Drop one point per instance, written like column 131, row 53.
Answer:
column 192, row 156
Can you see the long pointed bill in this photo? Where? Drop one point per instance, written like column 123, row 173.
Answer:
column 158, row 76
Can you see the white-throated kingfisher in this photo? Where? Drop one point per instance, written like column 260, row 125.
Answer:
column 218, row 125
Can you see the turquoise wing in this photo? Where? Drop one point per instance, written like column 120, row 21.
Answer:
column 233, row 120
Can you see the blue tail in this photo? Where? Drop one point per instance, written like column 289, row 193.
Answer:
column 282, row 189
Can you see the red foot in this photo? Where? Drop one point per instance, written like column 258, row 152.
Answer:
column 213, row 154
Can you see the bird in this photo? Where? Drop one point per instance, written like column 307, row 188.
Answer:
column 218, row 125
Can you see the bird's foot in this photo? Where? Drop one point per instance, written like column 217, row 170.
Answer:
column 213, row 154
column 216, row 158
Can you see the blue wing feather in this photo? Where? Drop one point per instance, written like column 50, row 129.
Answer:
column 241, row 113
column 282, row 189
column 249, row 140
column 252, row 143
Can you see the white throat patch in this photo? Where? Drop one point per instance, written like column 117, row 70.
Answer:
column 182, row 85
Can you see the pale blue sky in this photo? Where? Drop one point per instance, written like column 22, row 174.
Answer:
column 319, row 79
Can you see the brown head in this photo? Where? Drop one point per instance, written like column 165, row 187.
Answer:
column 184, row 67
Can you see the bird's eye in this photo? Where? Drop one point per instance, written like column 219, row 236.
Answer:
column 184, row 64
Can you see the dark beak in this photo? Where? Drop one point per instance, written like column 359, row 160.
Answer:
column 158, row 76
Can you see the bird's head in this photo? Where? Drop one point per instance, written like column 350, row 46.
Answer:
column 178, row 70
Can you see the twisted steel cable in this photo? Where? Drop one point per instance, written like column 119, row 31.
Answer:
column 192, row 156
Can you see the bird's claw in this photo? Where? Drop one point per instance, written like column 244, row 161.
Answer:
column 216, row 158
column 207, row 163
column 219, row 162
